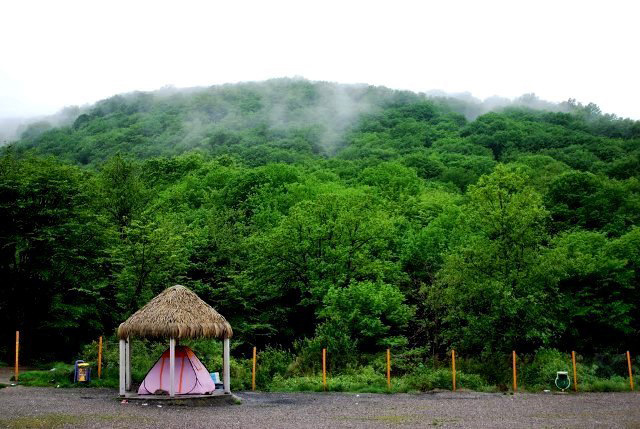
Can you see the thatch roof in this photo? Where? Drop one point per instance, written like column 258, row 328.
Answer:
column 179, row 313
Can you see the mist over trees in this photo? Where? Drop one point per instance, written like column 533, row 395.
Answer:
column 315, row 214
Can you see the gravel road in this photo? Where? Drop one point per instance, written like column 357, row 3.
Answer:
column 22, row 407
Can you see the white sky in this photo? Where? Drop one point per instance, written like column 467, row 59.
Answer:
column 57, row 53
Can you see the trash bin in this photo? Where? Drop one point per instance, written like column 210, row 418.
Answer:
column 562, row 380
column 82, row 373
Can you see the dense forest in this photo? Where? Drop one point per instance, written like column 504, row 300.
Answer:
column 318, row 215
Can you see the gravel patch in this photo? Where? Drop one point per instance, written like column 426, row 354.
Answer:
column 22, row 407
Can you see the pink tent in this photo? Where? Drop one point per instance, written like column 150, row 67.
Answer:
column 192, row 378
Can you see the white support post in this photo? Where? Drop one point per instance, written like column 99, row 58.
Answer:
column 127, row 374
column 122, row 367
column 226, row 376
column 172, row 366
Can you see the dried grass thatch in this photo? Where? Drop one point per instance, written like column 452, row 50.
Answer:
column 179, row 313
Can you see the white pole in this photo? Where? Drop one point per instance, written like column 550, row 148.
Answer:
column 172, row 366
column 127, row 374
column 226, row 376
column 122, row 367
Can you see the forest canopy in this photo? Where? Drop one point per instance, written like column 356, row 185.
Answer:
column 354, row 217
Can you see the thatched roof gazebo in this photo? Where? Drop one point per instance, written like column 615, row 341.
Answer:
column 176, row 313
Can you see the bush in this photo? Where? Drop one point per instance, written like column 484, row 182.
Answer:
column 365, row 379
column 368, row 379
column 541, row 372
column 413, row 370
column 341, row 349
column 144, row 354
column 613, row 384
column 272, row 362
column 60, row 374
column 426, row 379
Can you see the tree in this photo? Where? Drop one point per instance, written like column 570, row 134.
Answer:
column 329, row 241
column 489, row 300
column 52, row 256
column 122, row 190
column 371, row 314
column 595, row 300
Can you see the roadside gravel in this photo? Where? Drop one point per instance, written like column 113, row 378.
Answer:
column 97, row 408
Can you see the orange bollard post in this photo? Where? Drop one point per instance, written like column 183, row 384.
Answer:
column 575, row 376
column 515, row 374
column 253, row 371
column 324, row 369
column 16, row 371
column 453, row 368
column 630, row 370
column 100, row 357
column 388, row 368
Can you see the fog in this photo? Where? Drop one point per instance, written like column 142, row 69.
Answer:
column 324, row 109
column 73, row 53
column 328, row 108
column 12, row 128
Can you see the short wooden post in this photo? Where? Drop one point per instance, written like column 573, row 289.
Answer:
column 515, row 375
column 226, row 370
column 388, row 368
column 453, row 368
column 324, row 369
column 630, row 370
column 172, row 367
column 253, row 371
column 100, row 357
column 575, row 376
column 122, row 369
column 16, row 370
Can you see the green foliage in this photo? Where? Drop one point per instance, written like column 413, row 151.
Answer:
column 60, row 375
column 315, row 215
column 596, row 295
column 541, row 373
column 272, row 363
column 492, row 302
column 367, row 312
column 426, row 379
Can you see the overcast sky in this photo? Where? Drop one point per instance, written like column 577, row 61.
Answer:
column 58, row 53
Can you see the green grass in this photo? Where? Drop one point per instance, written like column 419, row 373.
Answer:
column 614, row 384
column 61, row 375
column 364, row 379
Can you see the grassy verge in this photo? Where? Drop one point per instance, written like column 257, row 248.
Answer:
column 282, row 371
column 61, row 375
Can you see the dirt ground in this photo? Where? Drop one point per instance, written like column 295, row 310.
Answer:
column 24, row 407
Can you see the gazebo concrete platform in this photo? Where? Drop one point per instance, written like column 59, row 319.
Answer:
column 217, row 398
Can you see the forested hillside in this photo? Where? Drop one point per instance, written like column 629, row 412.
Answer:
column 315, row 214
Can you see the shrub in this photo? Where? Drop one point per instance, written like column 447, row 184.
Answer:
column 60, row 374
column 428, row 379
column 272, row 362
column 541, row 372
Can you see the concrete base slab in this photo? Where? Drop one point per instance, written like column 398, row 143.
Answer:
column 184, row 400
